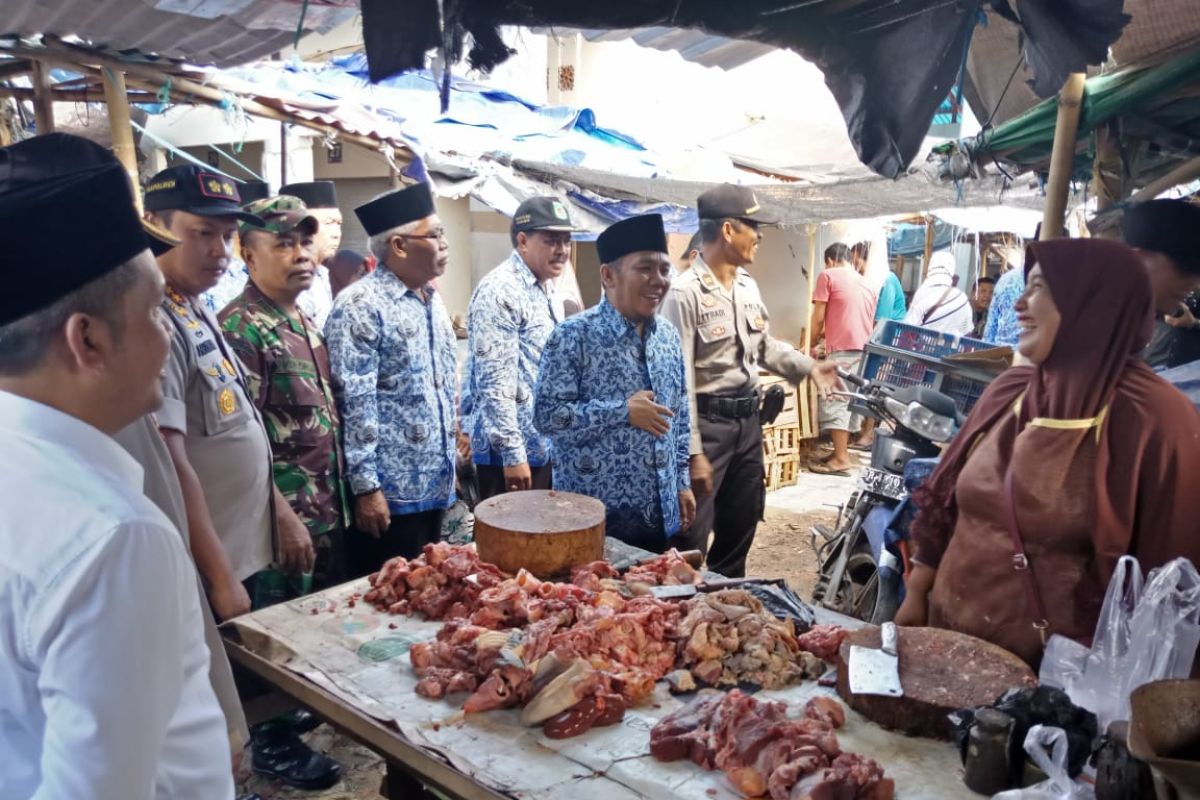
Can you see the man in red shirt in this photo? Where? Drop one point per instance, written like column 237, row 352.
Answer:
column 844, row 314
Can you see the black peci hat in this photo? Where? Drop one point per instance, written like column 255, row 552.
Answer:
column 731, row 202
column 315, row 194
column 633, row 235
column 396, row 208
column 189, row 188
column 253, row 190
column 158, row 239
column 53, row 183
column 1171, row 227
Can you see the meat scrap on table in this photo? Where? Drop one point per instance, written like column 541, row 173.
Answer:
column 727, row 638
column 764, row 752
column 575, row 655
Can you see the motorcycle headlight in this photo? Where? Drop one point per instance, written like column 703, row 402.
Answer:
column 921, row 420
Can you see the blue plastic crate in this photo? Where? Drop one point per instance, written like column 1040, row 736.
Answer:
column 903, row 368
column 916, row 339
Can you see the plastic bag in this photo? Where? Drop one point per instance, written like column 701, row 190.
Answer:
column 1145, row 633
column 1059, row 785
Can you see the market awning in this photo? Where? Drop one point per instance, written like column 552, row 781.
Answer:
column 889, row 65
column 1153, row 104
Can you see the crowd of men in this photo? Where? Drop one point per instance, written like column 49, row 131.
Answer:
column 177, row 415
column 182, row 466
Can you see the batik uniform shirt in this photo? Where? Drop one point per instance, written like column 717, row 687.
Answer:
column 317, row 300
column 591, row 365
column 511, row 315
column 233, row 281
column 1002, row 327
column 287, row 372
column 392, row 355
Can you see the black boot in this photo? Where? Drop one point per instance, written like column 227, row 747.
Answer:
column 280, row 754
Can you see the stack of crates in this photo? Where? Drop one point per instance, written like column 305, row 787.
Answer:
column 904, row 355
column 781, row 439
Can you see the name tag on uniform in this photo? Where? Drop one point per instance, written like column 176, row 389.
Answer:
column 205, row 347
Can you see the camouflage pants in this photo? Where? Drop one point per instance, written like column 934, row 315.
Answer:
column 270, row 586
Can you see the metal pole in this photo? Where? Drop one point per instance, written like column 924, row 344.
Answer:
column 1062, row 157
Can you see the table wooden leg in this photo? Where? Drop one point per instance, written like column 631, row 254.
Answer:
column 399, row 784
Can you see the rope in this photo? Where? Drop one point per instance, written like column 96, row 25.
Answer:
column 185, row 156
column 300, row 24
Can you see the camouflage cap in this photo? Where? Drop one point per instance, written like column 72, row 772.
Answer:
column 280, row 214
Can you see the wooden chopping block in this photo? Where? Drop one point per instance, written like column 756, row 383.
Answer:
column 544, row 532
column 940, row 671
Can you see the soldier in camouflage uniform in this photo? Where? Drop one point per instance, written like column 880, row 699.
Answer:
column 287, row 371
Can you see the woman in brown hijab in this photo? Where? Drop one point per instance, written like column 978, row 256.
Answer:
column 1062, row 467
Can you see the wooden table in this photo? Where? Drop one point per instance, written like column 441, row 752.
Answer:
column 409, row 768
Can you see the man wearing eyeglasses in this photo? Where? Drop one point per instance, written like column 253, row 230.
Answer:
column 392, row 355
column 723, row 324
column 511, row 315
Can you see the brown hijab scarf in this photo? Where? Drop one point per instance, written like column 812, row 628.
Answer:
column 1147, row 499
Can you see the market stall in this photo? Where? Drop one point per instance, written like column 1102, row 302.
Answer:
column 349, row 662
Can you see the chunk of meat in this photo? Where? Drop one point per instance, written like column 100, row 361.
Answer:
column 827, row 710
column 823, row 641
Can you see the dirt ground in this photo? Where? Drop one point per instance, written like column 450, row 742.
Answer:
column 782, row 548
column 362, row 772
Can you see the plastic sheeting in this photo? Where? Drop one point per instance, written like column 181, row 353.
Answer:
column 889, row 65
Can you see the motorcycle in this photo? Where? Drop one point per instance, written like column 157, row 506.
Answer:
column 861, row 564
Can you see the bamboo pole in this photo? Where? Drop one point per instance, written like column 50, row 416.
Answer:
column 43, row 102
column 1185, row 172
column 1062, row 157
column 121, row 129
column 930, row 235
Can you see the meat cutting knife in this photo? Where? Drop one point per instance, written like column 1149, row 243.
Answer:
column 877, row 671
column 690, row 589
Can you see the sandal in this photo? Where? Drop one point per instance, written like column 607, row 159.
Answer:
column 821, row 468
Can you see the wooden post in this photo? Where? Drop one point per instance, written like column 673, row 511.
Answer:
column 930, row 235
column 115, row 95
column 43, row 102
column 1062, row 157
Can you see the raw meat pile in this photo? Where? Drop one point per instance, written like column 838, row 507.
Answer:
column 764, row 752
column 444, row 582
column 727, row 638
column 668, row 569
column 579, row 657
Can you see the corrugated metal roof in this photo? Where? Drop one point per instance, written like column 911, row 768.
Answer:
column 257, row 29
column 697, row 46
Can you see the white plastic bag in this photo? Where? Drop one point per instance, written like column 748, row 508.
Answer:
column 1145, row 633
column 1059, row 785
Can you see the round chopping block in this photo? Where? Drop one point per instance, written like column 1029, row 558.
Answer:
column 544, row 532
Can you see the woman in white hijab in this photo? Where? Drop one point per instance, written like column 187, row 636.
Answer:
column 937, row 304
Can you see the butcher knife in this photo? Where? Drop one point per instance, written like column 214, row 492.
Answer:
column 690, row 589
column 877, row 671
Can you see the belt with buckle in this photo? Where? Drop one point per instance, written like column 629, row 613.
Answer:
column 711, row 405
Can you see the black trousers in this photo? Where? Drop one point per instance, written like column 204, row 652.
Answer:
column 491, row 479
column 406, row 536
column 732, row 512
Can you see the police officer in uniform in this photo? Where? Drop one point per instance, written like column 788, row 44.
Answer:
column 723, row 323
column 239, row 524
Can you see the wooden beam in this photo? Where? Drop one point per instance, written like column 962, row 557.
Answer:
column 1062, row 156
column 11, row 69
column 120, row 129
column 1184, row 173
column 930, row 235
column 43, row 103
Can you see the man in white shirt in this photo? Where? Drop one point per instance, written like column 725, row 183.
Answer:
column 104, row 688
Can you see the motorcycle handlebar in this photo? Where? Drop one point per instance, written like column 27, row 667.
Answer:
column 851, row 378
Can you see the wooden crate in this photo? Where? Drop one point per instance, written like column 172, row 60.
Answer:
column 799, row 405
column 782, row 471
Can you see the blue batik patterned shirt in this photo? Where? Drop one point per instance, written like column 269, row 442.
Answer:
column 232, row 282
column 1002, row 327
column 510, row 317
column 392, row 356
column 591, row 365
